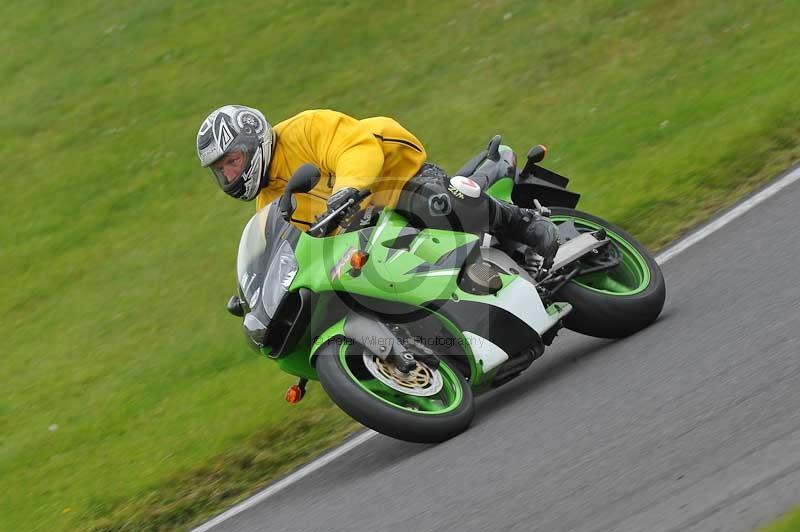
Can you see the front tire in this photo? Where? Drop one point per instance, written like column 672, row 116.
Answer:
column 369, row 401
column 617, row 302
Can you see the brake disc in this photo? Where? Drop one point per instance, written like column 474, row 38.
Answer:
column 421, row 381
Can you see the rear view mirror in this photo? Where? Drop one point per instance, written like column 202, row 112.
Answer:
column 494, row 148
column 304, row 179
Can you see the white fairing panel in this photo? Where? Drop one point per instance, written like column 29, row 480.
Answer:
column 487, row 355
column 521, row 299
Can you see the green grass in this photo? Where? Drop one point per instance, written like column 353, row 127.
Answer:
column 788, row 523
column 117, row 252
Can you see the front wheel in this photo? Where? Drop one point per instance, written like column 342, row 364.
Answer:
column 424, row 406
column 617, row 302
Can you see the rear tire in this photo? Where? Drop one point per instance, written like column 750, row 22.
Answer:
column 382, row 409
column 620, row 301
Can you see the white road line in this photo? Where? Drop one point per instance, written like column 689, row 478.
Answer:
column 285, row 482
column 672, row 251
column 728, row 217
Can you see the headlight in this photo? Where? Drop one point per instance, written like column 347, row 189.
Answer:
column 279, row 278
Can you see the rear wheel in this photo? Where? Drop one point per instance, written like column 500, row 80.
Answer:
column 619, row 301
column 425, row 405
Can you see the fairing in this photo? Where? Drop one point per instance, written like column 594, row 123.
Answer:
column 264, row 265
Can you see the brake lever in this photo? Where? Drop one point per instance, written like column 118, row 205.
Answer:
column 322, row 222
column 321, row 227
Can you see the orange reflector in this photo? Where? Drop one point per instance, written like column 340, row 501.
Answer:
column 358, row 259
column 545, row 150
column 294, row 394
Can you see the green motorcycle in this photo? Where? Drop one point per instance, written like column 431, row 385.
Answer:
column 403, row 326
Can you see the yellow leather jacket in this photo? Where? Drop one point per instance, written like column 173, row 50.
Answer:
column 374, row 152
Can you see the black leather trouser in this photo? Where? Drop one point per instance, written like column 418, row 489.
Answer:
column 427, row 201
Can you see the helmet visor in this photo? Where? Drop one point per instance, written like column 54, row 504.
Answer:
column 230, row 167
column 238, row 171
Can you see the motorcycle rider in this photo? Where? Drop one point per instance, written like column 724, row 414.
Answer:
column 250, row 159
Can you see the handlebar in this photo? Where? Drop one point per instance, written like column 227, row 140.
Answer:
column 321, row 227
column 362, row 195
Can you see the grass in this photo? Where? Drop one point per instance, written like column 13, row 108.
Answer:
column 787, row 523
column 129, row 400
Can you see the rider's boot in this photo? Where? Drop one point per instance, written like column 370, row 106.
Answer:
column 527, row 227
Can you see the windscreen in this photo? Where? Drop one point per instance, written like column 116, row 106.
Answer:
column 261, row 238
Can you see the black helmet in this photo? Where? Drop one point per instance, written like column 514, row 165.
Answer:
column 235, row 142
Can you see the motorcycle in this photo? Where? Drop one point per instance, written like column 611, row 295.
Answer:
column 403, row 326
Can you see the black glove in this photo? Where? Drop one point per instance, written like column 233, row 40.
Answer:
column 339, row 198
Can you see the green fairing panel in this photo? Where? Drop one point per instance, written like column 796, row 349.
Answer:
column 296, row 363
column 337, row 329
column 421, row 266
column 299, row 361
column 502, row 189
column 404, row 270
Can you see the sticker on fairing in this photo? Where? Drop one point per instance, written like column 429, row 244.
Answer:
column 337, row 269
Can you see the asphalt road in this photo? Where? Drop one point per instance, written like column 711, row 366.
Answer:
column 690, row 425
